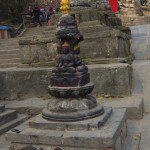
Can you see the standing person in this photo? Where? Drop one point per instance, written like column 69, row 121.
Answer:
column 36, row 15
column 29, row 11
column 42, row 13
column 114, row 5
column 50, row 12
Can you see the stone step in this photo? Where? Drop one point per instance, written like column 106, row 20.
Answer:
column 9, row 40
column 7, row 116
column 12, row 60
column 32, row 33
column 34, row 30
column 34, row 106
column 10, row 56
column 9, row 43
column 134, row 105
column 9, row 65
column 101, row 75
column 9, row 47
column 13, row 123
column 92, row 123
column 10, row 51
column 2, row 108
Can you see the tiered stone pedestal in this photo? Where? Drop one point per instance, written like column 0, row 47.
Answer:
column 9, row 119
column 106, row 131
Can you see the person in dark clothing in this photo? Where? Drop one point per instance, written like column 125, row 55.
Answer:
column 36, row 15
column 50, row 12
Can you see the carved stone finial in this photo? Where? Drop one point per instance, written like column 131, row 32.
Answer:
column 65, row 7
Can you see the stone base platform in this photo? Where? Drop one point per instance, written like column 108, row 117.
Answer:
column 110, row 135
column 9, row 119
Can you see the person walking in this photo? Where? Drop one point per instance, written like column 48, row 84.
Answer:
column 42, row 13
column 36, row 15
column 50, row 12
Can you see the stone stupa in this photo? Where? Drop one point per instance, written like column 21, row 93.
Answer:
column 73, row 120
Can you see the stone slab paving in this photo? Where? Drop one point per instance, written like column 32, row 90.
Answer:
column 4, row 144
column 147, row 89
column 139, row 73
column 141, row 81
column 30, row 106
column 34, row 106
column 141, row 128
column 140, row 44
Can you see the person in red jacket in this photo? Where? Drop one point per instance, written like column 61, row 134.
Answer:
column 114, row 5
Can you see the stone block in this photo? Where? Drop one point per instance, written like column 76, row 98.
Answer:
column 2, row 108
column 35, row 136
column 133, row 105
column 31, row 106
column 21, row 83
column 140, row 51
column 109, row 79
column 108, row 44
column 13, row 123
column 37, row 50
column 7, row 116
column 39, row 123
column 115, row 81
column 107, row 136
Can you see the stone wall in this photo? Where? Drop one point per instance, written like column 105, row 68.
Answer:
column 109, row 79
column 97, row 47
column 38, row 51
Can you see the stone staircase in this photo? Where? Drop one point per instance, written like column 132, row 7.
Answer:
column 34, row 31
column 9, row 53
column 9, row 48
column 9, row 119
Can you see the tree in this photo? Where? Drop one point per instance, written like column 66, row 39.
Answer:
column 11, row 8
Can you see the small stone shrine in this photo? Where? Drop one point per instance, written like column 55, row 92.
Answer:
column 73, row 119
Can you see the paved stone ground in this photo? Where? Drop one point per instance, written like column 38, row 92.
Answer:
column 141, row 82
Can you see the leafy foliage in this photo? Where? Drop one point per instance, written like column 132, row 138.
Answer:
column 11, row 8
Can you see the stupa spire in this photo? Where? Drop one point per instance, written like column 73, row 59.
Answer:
column 65, row 6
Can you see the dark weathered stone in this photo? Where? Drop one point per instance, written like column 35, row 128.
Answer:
column 12, row 123
column 70, row 78
column 7, row 116
column 2, row 108
column 74, row 92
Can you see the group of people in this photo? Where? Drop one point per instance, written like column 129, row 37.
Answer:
column 36, row 12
